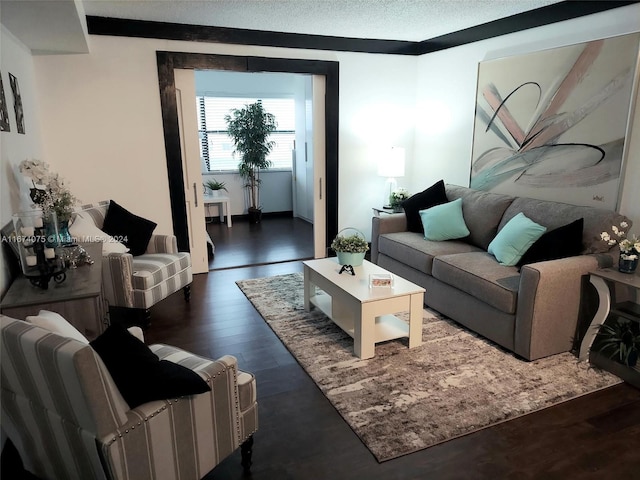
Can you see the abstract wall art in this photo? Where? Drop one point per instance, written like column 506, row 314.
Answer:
column 552, row 125
column 5, row 125
column 17, row 103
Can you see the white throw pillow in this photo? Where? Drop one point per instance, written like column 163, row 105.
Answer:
column 55, row 323
column 84, row 230
column 136, row 332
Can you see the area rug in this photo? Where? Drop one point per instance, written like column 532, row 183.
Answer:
column 402, row 400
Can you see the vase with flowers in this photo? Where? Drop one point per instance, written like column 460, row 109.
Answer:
column 396, row 198
column 51, row 194
column 629, row 247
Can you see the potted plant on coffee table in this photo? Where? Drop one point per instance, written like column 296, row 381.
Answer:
column 249, row 128
column 350, row 248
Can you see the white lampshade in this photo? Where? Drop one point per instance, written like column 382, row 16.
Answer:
column 391, row 164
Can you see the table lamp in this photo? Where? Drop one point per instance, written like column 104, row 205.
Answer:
column 391, row 165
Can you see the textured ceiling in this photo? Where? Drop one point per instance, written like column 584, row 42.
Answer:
column 413, row 20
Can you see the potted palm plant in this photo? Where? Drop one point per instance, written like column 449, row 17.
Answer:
column 249, row 128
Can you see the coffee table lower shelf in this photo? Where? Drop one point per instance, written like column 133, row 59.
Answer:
column 387, row 327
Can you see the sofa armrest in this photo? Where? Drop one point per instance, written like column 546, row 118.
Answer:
column 394, row 222
column 117, row 279
column 193, row 433
column 549, row 299
column 162, row 244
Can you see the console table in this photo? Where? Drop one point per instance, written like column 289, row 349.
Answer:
column 605, row 281
column 78, row 299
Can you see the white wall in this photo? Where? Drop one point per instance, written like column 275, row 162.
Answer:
column 104, row 128
column 15, row 58
column 377, row 96
column 446, row 89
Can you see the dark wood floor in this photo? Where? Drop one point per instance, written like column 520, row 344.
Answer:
column 244, row 243
column 302, row 436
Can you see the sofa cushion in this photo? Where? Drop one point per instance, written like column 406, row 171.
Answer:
column 138, row 372
column 444, row 222
column 412, row 249
column 514, row 239
column 555, row 214
column 134, row 230
column 561, row 242
column 95, row 211
column 479, row 275
column 434, row 195
column 151, row 269
column 56, row 323
column 482, row 212
column 83, row 229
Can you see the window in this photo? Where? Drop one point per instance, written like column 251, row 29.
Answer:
column 216, row 147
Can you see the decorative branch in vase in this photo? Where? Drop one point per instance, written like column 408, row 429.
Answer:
column 50, row 193
column 629, row 247
column 396, row 198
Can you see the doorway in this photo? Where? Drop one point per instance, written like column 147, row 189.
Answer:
column 327, row 184
column 286, row 188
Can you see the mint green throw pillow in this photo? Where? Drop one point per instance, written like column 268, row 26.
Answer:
column 515, row 238
column 444, row 222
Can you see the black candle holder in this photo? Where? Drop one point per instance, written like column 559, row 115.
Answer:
column 47, row 268
column 38, row 242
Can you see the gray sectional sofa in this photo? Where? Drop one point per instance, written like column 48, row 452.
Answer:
column 531, row 310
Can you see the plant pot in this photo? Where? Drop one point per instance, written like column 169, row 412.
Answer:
column 627, row 266
column 353, row 259
column 632, row 360
column 255, row 215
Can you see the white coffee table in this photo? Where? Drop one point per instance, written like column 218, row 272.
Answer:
column 366, row 314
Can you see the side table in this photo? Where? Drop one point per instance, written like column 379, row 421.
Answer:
column 224, row 206
column 78, row 299
column 605, row 281
column 378, row 210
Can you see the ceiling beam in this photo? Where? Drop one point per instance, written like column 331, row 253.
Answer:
column 557, row 12
column 553, row 13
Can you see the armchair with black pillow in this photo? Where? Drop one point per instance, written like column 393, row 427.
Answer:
column 116, row 408
column 139, row 267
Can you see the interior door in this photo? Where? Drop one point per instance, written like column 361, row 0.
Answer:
column 302, row 161
column 191, row 165
column 319, row 171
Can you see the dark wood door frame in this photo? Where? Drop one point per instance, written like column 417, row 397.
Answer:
column 168, row 61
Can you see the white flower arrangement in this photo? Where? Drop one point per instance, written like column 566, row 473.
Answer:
column 398, row 196
column 49, row 192
column 629, row 246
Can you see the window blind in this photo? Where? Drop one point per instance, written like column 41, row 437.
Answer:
column 216, row 147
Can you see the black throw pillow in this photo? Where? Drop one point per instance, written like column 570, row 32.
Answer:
column 561, row 242
column 138, row 372
column 135, row 231
column 432, row 196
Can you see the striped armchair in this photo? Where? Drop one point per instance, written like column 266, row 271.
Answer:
column 67, row 419
column 131, row 284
